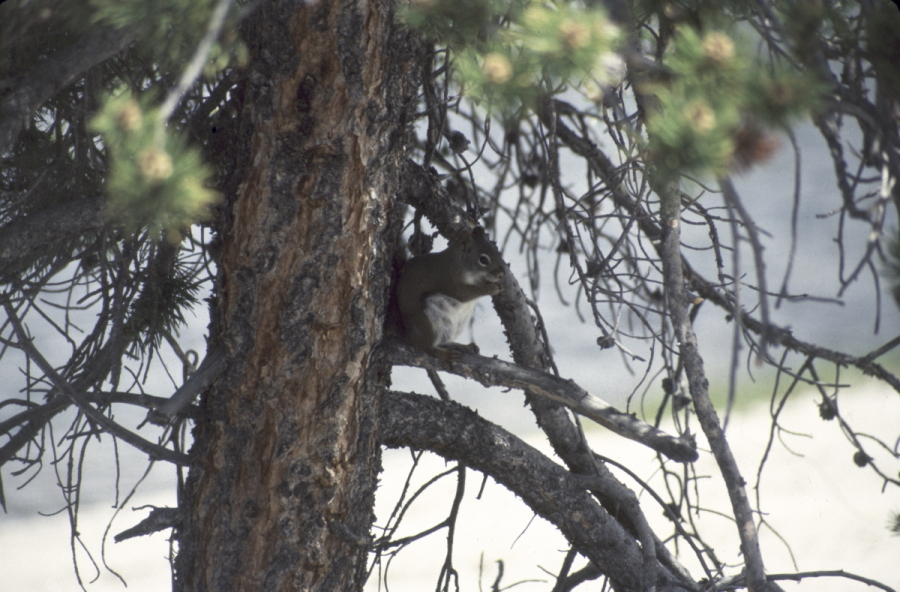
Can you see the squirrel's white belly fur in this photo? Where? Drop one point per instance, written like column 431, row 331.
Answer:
column 448, row 316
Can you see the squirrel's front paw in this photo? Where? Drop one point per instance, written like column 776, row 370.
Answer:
column 451, row 352
column 469, row 349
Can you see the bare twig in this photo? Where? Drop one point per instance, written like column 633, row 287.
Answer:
column 195, row 66
column 737, row 581
column 155, row 451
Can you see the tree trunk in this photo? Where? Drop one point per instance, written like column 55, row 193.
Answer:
column 281, row 494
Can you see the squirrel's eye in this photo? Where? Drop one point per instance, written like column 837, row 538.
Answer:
column 484, row 260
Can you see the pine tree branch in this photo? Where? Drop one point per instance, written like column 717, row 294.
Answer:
column 458, row 433
column 34, row 233
column 45, row 80
column 678, row 302
column 494, row 372
column 605, row 169
column 155, row 451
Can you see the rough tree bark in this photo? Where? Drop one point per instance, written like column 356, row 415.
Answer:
column 281, row 494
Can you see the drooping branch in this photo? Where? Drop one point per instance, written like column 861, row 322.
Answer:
column 155, row 451
column 733, row 202
column 40, row 414
column 494, row 372
column 457, row 433
column 606, row 170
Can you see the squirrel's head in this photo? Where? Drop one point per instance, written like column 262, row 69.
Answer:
column 480, row 259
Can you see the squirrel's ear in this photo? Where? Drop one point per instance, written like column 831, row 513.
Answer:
column 466, row 239
column 463, row 239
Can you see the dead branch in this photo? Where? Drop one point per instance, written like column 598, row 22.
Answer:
column 159, row 519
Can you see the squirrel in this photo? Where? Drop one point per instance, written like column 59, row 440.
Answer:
column 436, row 292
